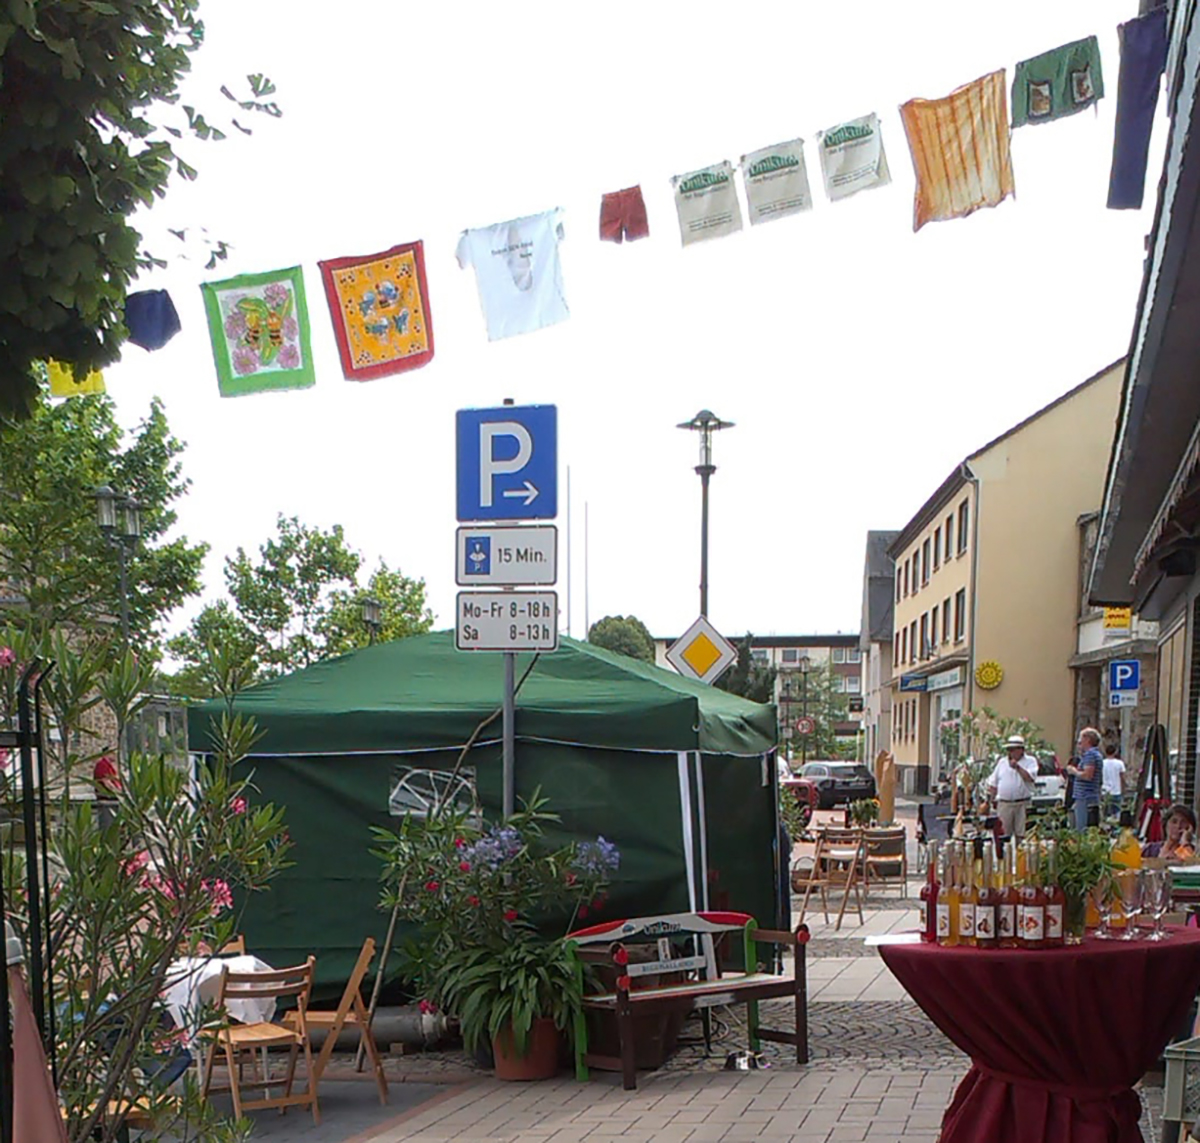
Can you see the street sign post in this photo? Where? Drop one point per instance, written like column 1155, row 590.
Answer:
column 507, row 463
column 506, row 621
column 524, row 556
column 805, row 725
column 1125, row 675
column 1118, row 699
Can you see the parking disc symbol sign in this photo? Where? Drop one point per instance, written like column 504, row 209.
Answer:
column 479, row 556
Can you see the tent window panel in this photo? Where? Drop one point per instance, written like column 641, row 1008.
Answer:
column 420, row 791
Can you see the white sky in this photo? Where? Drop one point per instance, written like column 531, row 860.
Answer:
column 859, row 361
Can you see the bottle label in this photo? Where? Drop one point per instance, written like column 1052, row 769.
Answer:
column 985, row 922
column 966, row 920
column 1054, row 922
column 1032, row 920
column 924, row 914
column 1006, row 921
column 943, row 920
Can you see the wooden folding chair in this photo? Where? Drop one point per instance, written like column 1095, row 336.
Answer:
column 236, row 946
column 351, row 1012
column 887, row 858
column 838, row 850
column 295, row 982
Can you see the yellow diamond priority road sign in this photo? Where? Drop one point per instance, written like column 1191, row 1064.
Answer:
column 702, row 652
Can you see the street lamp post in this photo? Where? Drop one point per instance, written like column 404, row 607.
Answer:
column 372, row 617
column 705, row 423
column 120, row 521
column 805, row 667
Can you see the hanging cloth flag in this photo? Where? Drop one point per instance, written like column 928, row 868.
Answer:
column 151, row 319
column 259, row 329
column 1143, row 58
column 1057, row 83
column 852, row 157
column 380, row 309
column 63, row 382
column 518, row 273
column 707, row 204
column 776, row 182
column 960, row 150
column 623, row 216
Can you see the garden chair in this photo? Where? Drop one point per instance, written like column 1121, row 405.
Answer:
column 283, row 983
column 236, row 946
column 886, row 858
column 351, row 1012
column 837, row 864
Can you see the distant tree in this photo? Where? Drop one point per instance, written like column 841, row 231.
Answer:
column 624, row 634
column 403, row 611
column 752, row 680
column 217, row 633
column 818, row 696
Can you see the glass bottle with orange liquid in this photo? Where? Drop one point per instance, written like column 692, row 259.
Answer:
column 1031, row 910
column 986, row 900
column 1006, row 908
column 948, row 901
column 968, row 896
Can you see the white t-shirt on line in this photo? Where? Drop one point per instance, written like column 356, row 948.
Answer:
column 518, row 272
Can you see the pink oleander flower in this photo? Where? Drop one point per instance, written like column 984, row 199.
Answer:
column 219, row 891
column 473, row 901
column 465, row 866
column 237, row 806
column 510, row 915
column 137, row 864
column 427, row 1007
column 432, row 886
column 460, row 843
column 7, row 657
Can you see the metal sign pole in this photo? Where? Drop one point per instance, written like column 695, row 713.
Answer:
column 509, row 733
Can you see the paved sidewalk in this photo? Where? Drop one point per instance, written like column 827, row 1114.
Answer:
column 820, row 1104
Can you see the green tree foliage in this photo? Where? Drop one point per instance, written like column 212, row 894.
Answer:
column 624, row 634
column 51, row 550
column 84, row 89
column 826, row 706
column 751, row 680
column 300, row 601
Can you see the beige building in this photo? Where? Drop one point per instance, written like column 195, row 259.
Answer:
column 986, row 590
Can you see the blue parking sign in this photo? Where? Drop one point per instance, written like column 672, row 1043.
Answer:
column 507, row 463
column 1124, row 675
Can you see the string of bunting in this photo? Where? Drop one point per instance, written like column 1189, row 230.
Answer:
column 379, row 304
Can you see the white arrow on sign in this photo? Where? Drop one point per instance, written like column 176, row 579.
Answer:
column 529, row 492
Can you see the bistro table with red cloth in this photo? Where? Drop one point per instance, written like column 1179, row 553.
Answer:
column 1057, row 1037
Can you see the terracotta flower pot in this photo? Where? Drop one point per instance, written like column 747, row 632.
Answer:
column 541, row 1053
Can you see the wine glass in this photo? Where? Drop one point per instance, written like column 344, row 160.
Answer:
column 1158, row 896
column 1131, row 885
column 1106, row 891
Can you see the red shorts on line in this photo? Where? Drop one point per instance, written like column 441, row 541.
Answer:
column 623, row 215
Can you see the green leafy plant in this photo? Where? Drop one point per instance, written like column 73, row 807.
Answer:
column 864, row 812
column 1083, row 857
column 492, row 989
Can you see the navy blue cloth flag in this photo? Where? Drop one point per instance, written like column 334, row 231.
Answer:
column 1143, row 57
column 151, row 319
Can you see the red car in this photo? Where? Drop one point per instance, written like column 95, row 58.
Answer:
column 804, row 790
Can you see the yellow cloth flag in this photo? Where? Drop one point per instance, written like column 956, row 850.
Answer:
column 960, row 150
column 64, row 384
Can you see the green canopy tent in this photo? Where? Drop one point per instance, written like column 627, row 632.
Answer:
column 678, row 774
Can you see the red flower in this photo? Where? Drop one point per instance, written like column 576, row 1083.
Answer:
column 460, row 843
column 473, row 900
column 465, row 866
column 597, row 904
column 427, row 1007
column 570, row 878
column 623, row 983
column 582, row 911
column 237, row 806
column 510, row 915
column 432, row 886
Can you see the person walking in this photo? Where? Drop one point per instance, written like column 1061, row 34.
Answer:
column 1114, row 781
column 1089, row 777
column 1010, row 786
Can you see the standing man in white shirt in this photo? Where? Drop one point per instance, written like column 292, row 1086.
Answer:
column 1011, row 786
column 1113, row 787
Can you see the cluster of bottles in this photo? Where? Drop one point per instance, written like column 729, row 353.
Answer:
column 1008, row 897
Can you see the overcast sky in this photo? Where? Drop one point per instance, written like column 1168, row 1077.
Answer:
column 859, row 361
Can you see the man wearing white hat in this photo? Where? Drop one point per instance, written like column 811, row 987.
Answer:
column 1011, row 786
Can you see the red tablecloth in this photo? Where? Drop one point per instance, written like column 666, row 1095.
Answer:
column 1057, row 1037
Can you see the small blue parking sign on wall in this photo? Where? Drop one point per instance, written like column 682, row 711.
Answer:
column 1124, row 675
column 508, row 463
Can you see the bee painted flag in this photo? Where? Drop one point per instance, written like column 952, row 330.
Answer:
column 260, row 334
column 852, row 157
column 1057, row 83
column 380, row 309
column 776, row 182
column 707, row 203
column 960, row 151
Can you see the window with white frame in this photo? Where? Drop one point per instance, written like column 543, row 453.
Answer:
column 839, row 654
column 854, row 684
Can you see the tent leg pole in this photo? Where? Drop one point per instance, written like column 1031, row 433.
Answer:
column 509, row 735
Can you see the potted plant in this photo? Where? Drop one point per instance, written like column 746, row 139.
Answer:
column 864, row 813
column 1083, row 858
column 486, row 900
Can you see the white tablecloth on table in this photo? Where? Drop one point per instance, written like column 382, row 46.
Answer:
column 195, row 981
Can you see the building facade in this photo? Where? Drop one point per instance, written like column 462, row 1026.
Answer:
column 986, row 585
column 875, row 642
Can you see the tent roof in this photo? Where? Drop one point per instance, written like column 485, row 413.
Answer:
column 421, row 693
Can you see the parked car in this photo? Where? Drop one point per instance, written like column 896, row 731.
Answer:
column 839, row 782
column 1049, row 787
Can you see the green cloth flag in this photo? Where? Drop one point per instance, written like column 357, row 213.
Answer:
column 260, row 334
column 1057, row 83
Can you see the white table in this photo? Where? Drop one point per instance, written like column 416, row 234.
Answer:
column 195, row 981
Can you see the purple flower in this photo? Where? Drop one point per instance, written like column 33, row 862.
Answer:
column 502, row 844
column 275, row 295
column 290, row 328
column 289, row 357
column 597, row 858
column 245, row 359
column 235, row 325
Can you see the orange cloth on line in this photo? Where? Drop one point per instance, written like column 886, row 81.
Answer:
column 960, row 150
column 36, row 1114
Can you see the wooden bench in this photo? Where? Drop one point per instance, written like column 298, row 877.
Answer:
column 705, row 985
